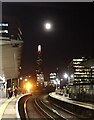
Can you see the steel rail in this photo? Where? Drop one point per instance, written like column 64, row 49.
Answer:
column 25, row 108
column 51, row 110
column 22, row 107
column 36, row 102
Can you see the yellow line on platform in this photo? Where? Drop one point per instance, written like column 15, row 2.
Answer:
column 4, row 105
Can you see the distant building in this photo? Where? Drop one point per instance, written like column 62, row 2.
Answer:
column 78, row 72
column 53, row 77
column 81, row 79
column 40, row 78
column 10, row 52
column 39, row 71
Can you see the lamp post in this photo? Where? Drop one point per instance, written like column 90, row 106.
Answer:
column 21, row 82
column 61, row 80
column 56, row 83
column 66, row 77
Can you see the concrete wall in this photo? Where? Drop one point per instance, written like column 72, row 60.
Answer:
column 10, row 59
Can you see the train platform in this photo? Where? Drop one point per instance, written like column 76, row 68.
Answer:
column 9, row 108
column 71, row 101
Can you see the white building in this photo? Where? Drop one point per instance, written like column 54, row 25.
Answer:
column 10, row 57
column 53, row 78
column 81, row 86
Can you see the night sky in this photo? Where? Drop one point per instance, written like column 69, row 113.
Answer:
column 70, row 37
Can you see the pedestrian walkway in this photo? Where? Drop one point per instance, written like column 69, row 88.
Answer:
column 2, row 100
column 69, row 100
column 8, row 108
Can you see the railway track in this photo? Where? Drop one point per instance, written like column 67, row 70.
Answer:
column 40, row 107
column 27, row 108
column 54, row 112
column 22, row 107
column 46, row 111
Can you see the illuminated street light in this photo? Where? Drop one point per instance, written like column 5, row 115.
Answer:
column 25, row 79
column 21, row 78
column 65, row 75
column 72, row 76
column 66, row 84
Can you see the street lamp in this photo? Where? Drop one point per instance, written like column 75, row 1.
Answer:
column 21, row 78
column 66, row 87
column 65, row 75
column 61, row 80
column 56, row 83
column 25, row 79
column 21, row 82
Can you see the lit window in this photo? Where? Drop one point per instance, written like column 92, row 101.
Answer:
column 77, row 59
column 92, row 67
column 78, row 66
column 3, row 24
column 3, row 31
column 76, row 63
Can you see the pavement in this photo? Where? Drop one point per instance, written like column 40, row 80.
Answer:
column 69, row 100
column 9, row 108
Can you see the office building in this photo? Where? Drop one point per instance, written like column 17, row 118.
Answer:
column 10, row 52
column 53, row 77
column 81, row 83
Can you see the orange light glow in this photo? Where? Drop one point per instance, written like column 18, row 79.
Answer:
column 28, row 86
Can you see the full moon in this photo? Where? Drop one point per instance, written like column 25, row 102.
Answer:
column 48, row 26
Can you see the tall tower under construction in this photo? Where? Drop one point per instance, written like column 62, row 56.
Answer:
column 39, row 71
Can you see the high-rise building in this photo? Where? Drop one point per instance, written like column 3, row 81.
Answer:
column 78, row 72
column 81, row 83
column 10, row 52
column 39, row 71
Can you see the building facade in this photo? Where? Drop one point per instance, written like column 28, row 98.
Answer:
column 39, row 69
column 53, row 80
column 81, row 79
column 10, row 53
